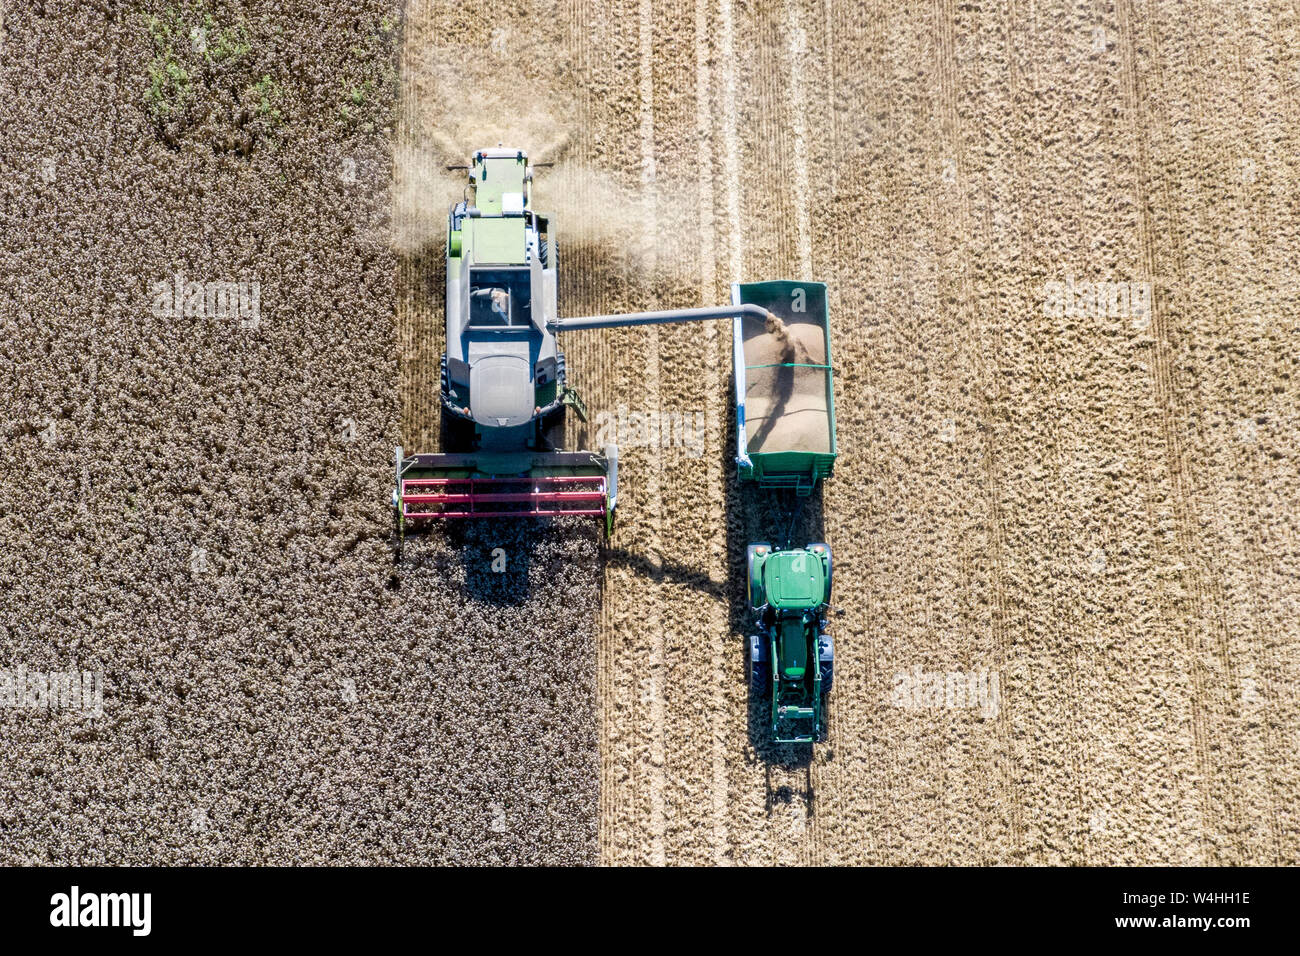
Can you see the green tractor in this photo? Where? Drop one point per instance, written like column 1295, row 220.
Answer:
column 792, row 657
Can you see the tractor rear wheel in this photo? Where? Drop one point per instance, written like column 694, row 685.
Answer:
column 760, row 670
column 754, row 584
column 826, row 661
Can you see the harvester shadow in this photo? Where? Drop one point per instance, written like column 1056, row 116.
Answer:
column 498, row 556
column 496, row 565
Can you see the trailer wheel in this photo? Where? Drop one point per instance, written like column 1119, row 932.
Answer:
column 826, row 661
column 760, row 670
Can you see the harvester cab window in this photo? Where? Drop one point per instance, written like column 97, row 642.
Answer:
column 500, row 298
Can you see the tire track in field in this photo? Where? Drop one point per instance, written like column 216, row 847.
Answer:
column 1074, row 394
column 1153, row 441
column 591, row 370
column 1249, row 85
column 1226, row 209
column 1149, row 184
column 711, row 291
column 741, row 784
column 827, row 778
column 692, row 580
column 1097, row 417
column 797, row 54
column 1001, row 580
column 622, row 136
column 1207, row 392
column 865, row 777
column 811, row 64
column 597, row 276
column 1211, row 606
column 1217, row 801
column 653, row 461
column 963, row 244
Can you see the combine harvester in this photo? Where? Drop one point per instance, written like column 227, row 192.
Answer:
column 505, row 390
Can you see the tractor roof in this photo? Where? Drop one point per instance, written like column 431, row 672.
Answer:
column 795, row 580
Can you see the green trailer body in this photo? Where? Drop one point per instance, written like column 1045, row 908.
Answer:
column 785, row 409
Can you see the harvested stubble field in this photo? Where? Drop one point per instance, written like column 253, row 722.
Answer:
column 1090, row 507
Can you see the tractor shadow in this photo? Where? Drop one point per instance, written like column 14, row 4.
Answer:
column 790, row 784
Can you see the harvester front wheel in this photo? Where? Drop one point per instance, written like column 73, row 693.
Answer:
column 455, row 434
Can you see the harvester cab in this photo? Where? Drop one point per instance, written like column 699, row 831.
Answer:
column 791, row 657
